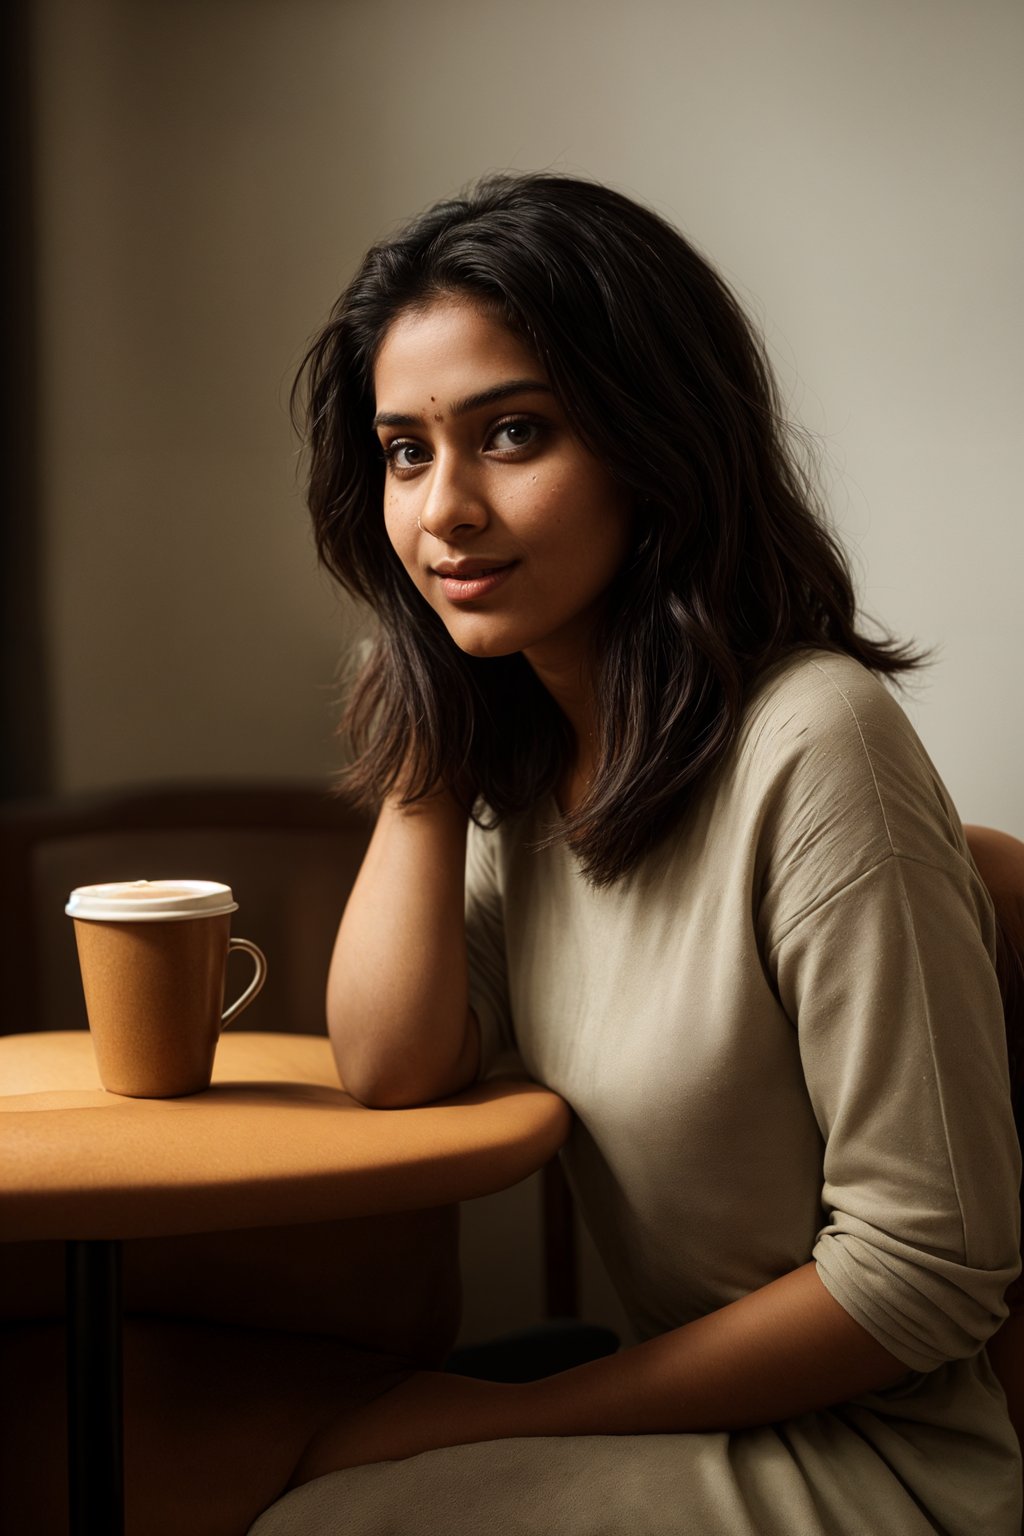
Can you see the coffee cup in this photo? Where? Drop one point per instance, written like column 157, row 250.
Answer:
column 153, row 956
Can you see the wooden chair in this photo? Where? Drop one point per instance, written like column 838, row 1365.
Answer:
column 1000, row 861
column 289, row 851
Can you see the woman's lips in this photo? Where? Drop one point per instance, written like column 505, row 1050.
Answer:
column 465, row 588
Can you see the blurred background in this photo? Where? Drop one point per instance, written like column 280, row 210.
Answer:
column 192, row 182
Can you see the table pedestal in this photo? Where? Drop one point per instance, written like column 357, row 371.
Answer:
column 95, row 1389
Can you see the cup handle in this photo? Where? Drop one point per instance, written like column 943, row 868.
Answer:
column 260, row 961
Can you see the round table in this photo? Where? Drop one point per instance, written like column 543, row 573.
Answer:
column 275, row 1140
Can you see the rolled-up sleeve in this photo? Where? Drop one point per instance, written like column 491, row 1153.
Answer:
column 891, row 988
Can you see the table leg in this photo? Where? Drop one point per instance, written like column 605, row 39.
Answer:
column 95, row 1389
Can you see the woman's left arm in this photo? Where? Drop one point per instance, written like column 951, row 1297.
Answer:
column 780, row 1351
column 877, row 943
column 905, row 1065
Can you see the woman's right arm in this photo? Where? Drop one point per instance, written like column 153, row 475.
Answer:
column 397, row 993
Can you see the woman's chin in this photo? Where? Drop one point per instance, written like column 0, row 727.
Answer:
column 488, row 652
column 482, row 645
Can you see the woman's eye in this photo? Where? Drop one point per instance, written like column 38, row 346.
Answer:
column 511, row 435
column 405, row 454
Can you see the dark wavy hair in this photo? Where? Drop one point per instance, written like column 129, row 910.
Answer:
column 665, row 381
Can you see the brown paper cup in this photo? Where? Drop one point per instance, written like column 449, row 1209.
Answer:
column 153, row 956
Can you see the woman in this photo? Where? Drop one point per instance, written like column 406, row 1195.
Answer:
column 715, row 894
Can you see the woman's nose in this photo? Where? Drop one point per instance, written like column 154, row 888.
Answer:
column 454, row 503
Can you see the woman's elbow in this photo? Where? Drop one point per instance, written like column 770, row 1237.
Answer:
column 380, row 1077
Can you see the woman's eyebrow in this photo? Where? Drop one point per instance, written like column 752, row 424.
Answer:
column 469, row 402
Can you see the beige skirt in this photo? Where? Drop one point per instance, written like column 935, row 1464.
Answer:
column 908, row 1462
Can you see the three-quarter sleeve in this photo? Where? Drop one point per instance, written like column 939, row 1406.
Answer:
column 485, row 943
column 888, row 978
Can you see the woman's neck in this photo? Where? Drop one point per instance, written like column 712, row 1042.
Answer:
column 572, row 691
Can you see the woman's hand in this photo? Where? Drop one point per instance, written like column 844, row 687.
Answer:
column 786, row 1349
column 422, row 1412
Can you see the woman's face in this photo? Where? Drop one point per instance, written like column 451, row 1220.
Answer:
column 508, row 526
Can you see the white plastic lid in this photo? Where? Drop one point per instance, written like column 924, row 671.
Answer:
column 148, row 901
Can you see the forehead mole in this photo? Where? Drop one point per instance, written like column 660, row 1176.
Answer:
column 438, row 416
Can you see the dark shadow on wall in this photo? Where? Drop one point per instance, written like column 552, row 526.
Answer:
column 24, row 697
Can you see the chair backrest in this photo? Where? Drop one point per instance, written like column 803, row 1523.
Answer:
column 1000, row 861
column 290, row 852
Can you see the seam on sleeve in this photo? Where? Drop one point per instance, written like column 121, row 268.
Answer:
column 826, row 901
column 936, row 1076
column 864, row 746
column 899, row 860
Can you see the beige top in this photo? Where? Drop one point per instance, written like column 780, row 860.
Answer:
column 782, row 1038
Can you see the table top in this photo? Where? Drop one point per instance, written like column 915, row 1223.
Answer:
column 273, row 1141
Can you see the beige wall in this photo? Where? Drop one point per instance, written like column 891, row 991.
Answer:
column 211, row 169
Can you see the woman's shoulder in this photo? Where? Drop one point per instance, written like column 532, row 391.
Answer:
column 825, row 745
column 821, row 694
column 828, row 782
column 827, row 710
